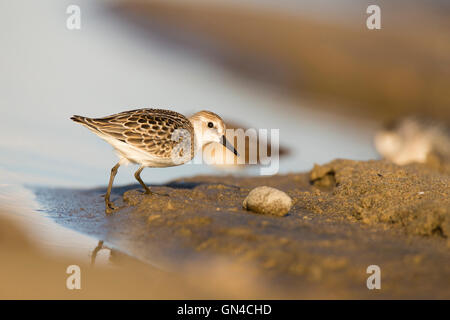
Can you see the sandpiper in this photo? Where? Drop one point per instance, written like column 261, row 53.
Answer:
column 414, row 139
column 155, row 138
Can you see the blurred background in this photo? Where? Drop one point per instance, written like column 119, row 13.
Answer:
column 309, row 68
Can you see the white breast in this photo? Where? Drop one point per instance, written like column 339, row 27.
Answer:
column 128, row 153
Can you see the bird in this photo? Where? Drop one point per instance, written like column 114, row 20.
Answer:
column 155, row 138
column 414, row 138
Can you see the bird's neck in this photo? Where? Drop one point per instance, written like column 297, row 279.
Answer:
column 198, row 141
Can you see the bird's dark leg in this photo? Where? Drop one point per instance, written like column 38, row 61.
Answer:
column 137, row 175
column 109, row 205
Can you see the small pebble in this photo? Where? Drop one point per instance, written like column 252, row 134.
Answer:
column 267, row 200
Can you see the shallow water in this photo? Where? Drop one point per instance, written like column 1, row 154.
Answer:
column 18, row 204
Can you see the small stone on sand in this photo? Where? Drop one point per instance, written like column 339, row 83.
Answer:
column 267, row 200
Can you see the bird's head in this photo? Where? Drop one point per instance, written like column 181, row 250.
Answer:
column 209, row 127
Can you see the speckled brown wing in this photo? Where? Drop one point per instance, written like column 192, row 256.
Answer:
column 150, row 130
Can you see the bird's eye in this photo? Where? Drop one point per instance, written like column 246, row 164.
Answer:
column 210, row 125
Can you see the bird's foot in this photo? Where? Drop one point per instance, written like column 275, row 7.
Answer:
column 110, row 207
column 150, row 193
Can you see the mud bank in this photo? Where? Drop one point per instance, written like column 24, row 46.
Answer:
column 347, row 215
column 411, row 197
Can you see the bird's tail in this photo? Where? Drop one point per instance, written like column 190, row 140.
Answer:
column 79, row 119
column 85, row 121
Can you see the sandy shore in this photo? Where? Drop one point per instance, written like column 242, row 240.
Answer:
column 347, row 215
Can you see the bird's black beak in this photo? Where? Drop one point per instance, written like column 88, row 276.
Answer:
column 229, row 146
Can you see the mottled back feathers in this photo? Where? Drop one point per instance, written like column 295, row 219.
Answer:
column 149, row 130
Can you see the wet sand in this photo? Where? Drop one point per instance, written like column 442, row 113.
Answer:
column 347, row 215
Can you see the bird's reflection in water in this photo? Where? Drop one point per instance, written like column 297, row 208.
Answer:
column 102, row 255
column 100, row 246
